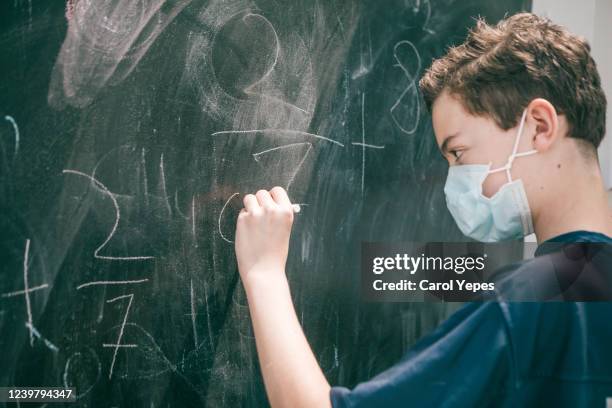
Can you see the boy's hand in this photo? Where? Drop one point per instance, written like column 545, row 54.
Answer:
column 262, row 234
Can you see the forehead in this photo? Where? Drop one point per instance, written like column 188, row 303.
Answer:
column 448, row 116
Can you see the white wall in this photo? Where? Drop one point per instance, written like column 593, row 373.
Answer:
column 591, row 19
column 603, row 57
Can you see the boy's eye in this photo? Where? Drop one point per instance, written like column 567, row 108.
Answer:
column 456, row 154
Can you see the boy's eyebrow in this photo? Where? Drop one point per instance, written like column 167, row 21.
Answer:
column 444, row 146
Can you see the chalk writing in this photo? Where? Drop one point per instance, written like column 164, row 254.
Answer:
column 412, row 87
column 16, row 131
column 26, row 293
column 221, row 215
column 124, row 282
column 115, row 225
column 280, row 131
column 117, row 345
column 363, row 144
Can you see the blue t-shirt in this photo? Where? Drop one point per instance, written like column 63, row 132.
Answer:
column 503, row 354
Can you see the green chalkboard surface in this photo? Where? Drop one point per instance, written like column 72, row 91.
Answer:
column 130, row 131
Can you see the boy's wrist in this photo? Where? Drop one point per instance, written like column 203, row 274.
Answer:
column 264, row 279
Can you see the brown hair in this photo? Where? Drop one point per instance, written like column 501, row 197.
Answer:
column 499, row 69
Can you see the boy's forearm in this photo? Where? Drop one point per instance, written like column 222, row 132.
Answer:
column 291, row 373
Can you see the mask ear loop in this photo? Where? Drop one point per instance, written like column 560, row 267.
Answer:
column 514, row 154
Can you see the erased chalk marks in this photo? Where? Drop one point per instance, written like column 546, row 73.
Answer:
column 257, row 158
column 249, row 70
column 336, row 362
column 158, row 362
column 341, row 26
column 151, row 360
column 193, row 315
column 240, row 315
column 29, row 14
column 105, row 40
column 193, row 220
column 365, row 49
column 208, row 322
column 277, row 49
column 330, row 356
column 70, row 5
column 406, row 114
column 145, row 181
column 177, row 208
column 422, row 13
column 82, row 371
column 162, row 182
column 244, row 53
column 119, row 165
column 362, row 141
column 105, row 191
column 188, row 215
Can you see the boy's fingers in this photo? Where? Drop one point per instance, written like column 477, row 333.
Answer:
column 265, row 200
column 280, row 196
column 250, row 203
column 241, row 215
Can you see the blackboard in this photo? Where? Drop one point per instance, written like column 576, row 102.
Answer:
column 129, row 132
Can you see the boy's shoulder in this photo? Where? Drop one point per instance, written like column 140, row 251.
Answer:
column 557, row 331
column 523, row 352
column 560, row 272
column 562, row 341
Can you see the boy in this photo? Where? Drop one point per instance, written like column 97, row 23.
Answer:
column 518, row 112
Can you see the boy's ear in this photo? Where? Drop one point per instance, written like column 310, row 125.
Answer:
column 543, row 116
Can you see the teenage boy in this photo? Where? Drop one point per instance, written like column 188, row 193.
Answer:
column 518, row 112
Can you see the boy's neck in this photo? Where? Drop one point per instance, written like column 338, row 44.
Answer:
column 583, row 205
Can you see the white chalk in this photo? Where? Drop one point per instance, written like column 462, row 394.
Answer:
column 296, row 208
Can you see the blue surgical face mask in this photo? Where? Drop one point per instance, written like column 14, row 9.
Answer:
column 506, row 215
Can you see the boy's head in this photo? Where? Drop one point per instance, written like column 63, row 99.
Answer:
column 479, row 90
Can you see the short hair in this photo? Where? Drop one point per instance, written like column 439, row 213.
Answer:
column 499, row 69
